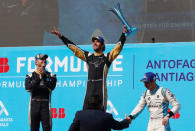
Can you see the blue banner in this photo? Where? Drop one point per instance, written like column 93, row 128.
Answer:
column 173, row 63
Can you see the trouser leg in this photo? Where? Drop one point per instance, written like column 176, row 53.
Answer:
column 46, row 116
column 156, row 125
column 35, row 116
column 97, row 89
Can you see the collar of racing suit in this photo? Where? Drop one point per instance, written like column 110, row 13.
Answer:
column 97, row 54
column 154, row 91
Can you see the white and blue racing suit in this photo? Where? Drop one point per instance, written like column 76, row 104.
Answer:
column 158, row 103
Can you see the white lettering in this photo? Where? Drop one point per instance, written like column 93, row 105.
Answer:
column 72, row 83
column 117, row 62
column 11, row 85
column 20, row 64
column 30, row 59
column 72, row 64
column 49, row 64
column 79, row 82
column 78, row 68
column 4, row 84
column 109, row 83
column 120, row 82
column 61, row 64
column 85, row 67
column 58, row 84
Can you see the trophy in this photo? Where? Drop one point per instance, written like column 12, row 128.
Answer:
column 117, row 11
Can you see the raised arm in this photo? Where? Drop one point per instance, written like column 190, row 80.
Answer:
column 117, row 49
column 75, row 49
column 119, row 125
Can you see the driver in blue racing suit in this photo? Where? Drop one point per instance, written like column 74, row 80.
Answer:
column 157, row 99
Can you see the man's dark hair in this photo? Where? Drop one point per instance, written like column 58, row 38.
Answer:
column 101, row 40
column 94, row 102
column 103, row 48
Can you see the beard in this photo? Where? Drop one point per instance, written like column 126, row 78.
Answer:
column 99, row 49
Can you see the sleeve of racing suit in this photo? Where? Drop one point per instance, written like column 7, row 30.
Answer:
column 75, row 49
column 52, row 82
column 117, row 49
column 139, row 108
column 173, row 101
column 31, row 82
column 116, row 125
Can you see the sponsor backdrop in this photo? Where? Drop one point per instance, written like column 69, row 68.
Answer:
column 174, row 64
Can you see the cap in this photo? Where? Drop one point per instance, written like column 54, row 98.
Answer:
column 99, row 38
column 148, row 77
column 41, row 56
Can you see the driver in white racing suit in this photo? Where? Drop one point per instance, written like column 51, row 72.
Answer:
column 157, row 99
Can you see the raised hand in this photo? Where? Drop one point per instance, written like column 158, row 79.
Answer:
column 128, row 118
column 56, row 32
column 125, row 29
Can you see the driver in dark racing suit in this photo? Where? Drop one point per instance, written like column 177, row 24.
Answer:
column 98, row 64
column 40, row 84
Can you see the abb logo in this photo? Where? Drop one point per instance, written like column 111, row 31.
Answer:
column 111, row 109
column 176, row 116
column 4, row 67
column 60, row 115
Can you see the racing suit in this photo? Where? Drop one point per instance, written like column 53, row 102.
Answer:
column 40, row 99
column 157, row 102
column 97, row 69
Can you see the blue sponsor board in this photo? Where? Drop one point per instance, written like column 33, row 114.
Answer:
column 174, row 64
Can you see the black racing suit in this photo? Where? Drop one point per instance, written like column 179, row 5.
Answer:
column 40, row 99
column 97, row 69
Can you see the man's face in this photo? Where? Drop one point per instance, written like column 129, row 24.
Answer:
column 150, row 85
column 97, row 46
column 40, row 65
